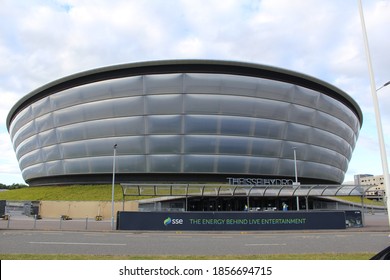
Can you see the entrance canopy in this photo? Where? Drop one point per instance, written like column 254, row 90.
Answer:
column 215, row 190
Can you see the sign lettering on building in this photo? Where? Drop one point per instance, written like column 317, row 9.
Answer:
column 258, row 181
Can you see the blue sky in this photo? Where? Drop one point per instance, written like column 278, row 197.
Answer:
column 44, row 40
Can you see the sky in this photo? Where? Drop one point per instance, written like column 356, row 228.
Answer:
column 44, row 40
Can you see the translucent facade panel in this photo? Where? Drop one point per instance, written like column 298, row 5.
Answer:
column 232, row 164
column 199, row 163
column 237, row 105
column 268, row 89
column 20, row 120
column 236, row 126
column 41, row 107
column 234, row 145
column 271, row 109
column 129, row 126
column 131, row 164
column 239, row 85
column 263, row 165
column 97, row 110
column 127, row 145
column 164, row 124
column 328, row 140
column 201, row 124
column 298, row 133
column 301, row 114
column 34, row 171
column 51, row 153
column 54, row 168
column 80, row 165
column 329, row 123
column 66, row 98
column 72, row 132
column 304, row 96
column 203, row 83
column 200, row 145
column 44, row 123
column 30, row 159
column 163, row 163
column 27, row 145
column 339, row 110
column 323, row 171
column 220, row 83
column 126, row 86
column 162, row 144
column 73, row 150
column 269, row 129
column 68, row 116
column 25, row 132
column 202, row 104
column 266, row 147
column 101, row 128
column 166, row 104
column 163, row 83
column 46, row 138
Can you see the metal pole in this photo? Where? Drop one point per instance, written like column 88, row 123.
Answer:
column 113, row 187
column 295, row 165
column 296, row 174
column 35, row 221
column 8, row 220
column 383, row 153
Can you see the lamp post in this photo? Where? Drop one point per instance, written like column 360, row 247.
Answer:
column 384, row 85
column 296, row 183
column 113, row 187
column 382, row 148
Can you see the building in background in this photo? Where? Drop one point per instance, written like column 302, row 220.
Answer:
column 376, row 181
column 185, row 121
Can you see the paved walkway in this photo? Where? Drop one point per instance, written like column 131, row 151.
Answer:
column 373, row 222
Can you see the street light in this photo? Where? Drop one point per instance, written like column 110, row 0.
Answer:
column 113, row 187
column 382, row 148
column 296, row 183
column 384, row 85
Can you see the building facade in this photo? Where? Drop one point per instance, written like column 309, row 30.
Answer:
column 185, row 121
column 376, row 181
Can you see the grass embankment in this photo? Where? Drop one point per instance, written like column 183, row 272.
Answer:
column 68, row 193
column 324, row 256
column 358, row 200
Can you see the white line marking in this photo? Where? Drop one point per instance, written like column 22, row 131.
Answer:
column 78, row 243
column 274, row 244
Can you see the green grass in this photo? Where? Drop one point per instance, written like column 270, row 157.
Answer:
column 358, row 200
column 322, row 256
column 68, row 193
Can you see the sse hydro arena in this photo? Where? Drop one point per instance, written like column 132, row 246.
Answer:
column 185, row 121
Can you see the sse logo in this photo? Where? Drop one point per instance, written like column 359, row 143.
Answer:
column 169, row 221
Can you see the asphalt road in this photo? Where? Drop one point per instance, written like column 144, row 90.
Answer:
column 189, row 243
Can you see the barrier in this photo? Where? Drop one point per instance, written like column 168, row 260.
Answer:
column 224, row 221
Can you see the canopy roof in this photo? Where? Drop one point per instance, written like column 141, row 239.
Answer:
column 214, row 190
